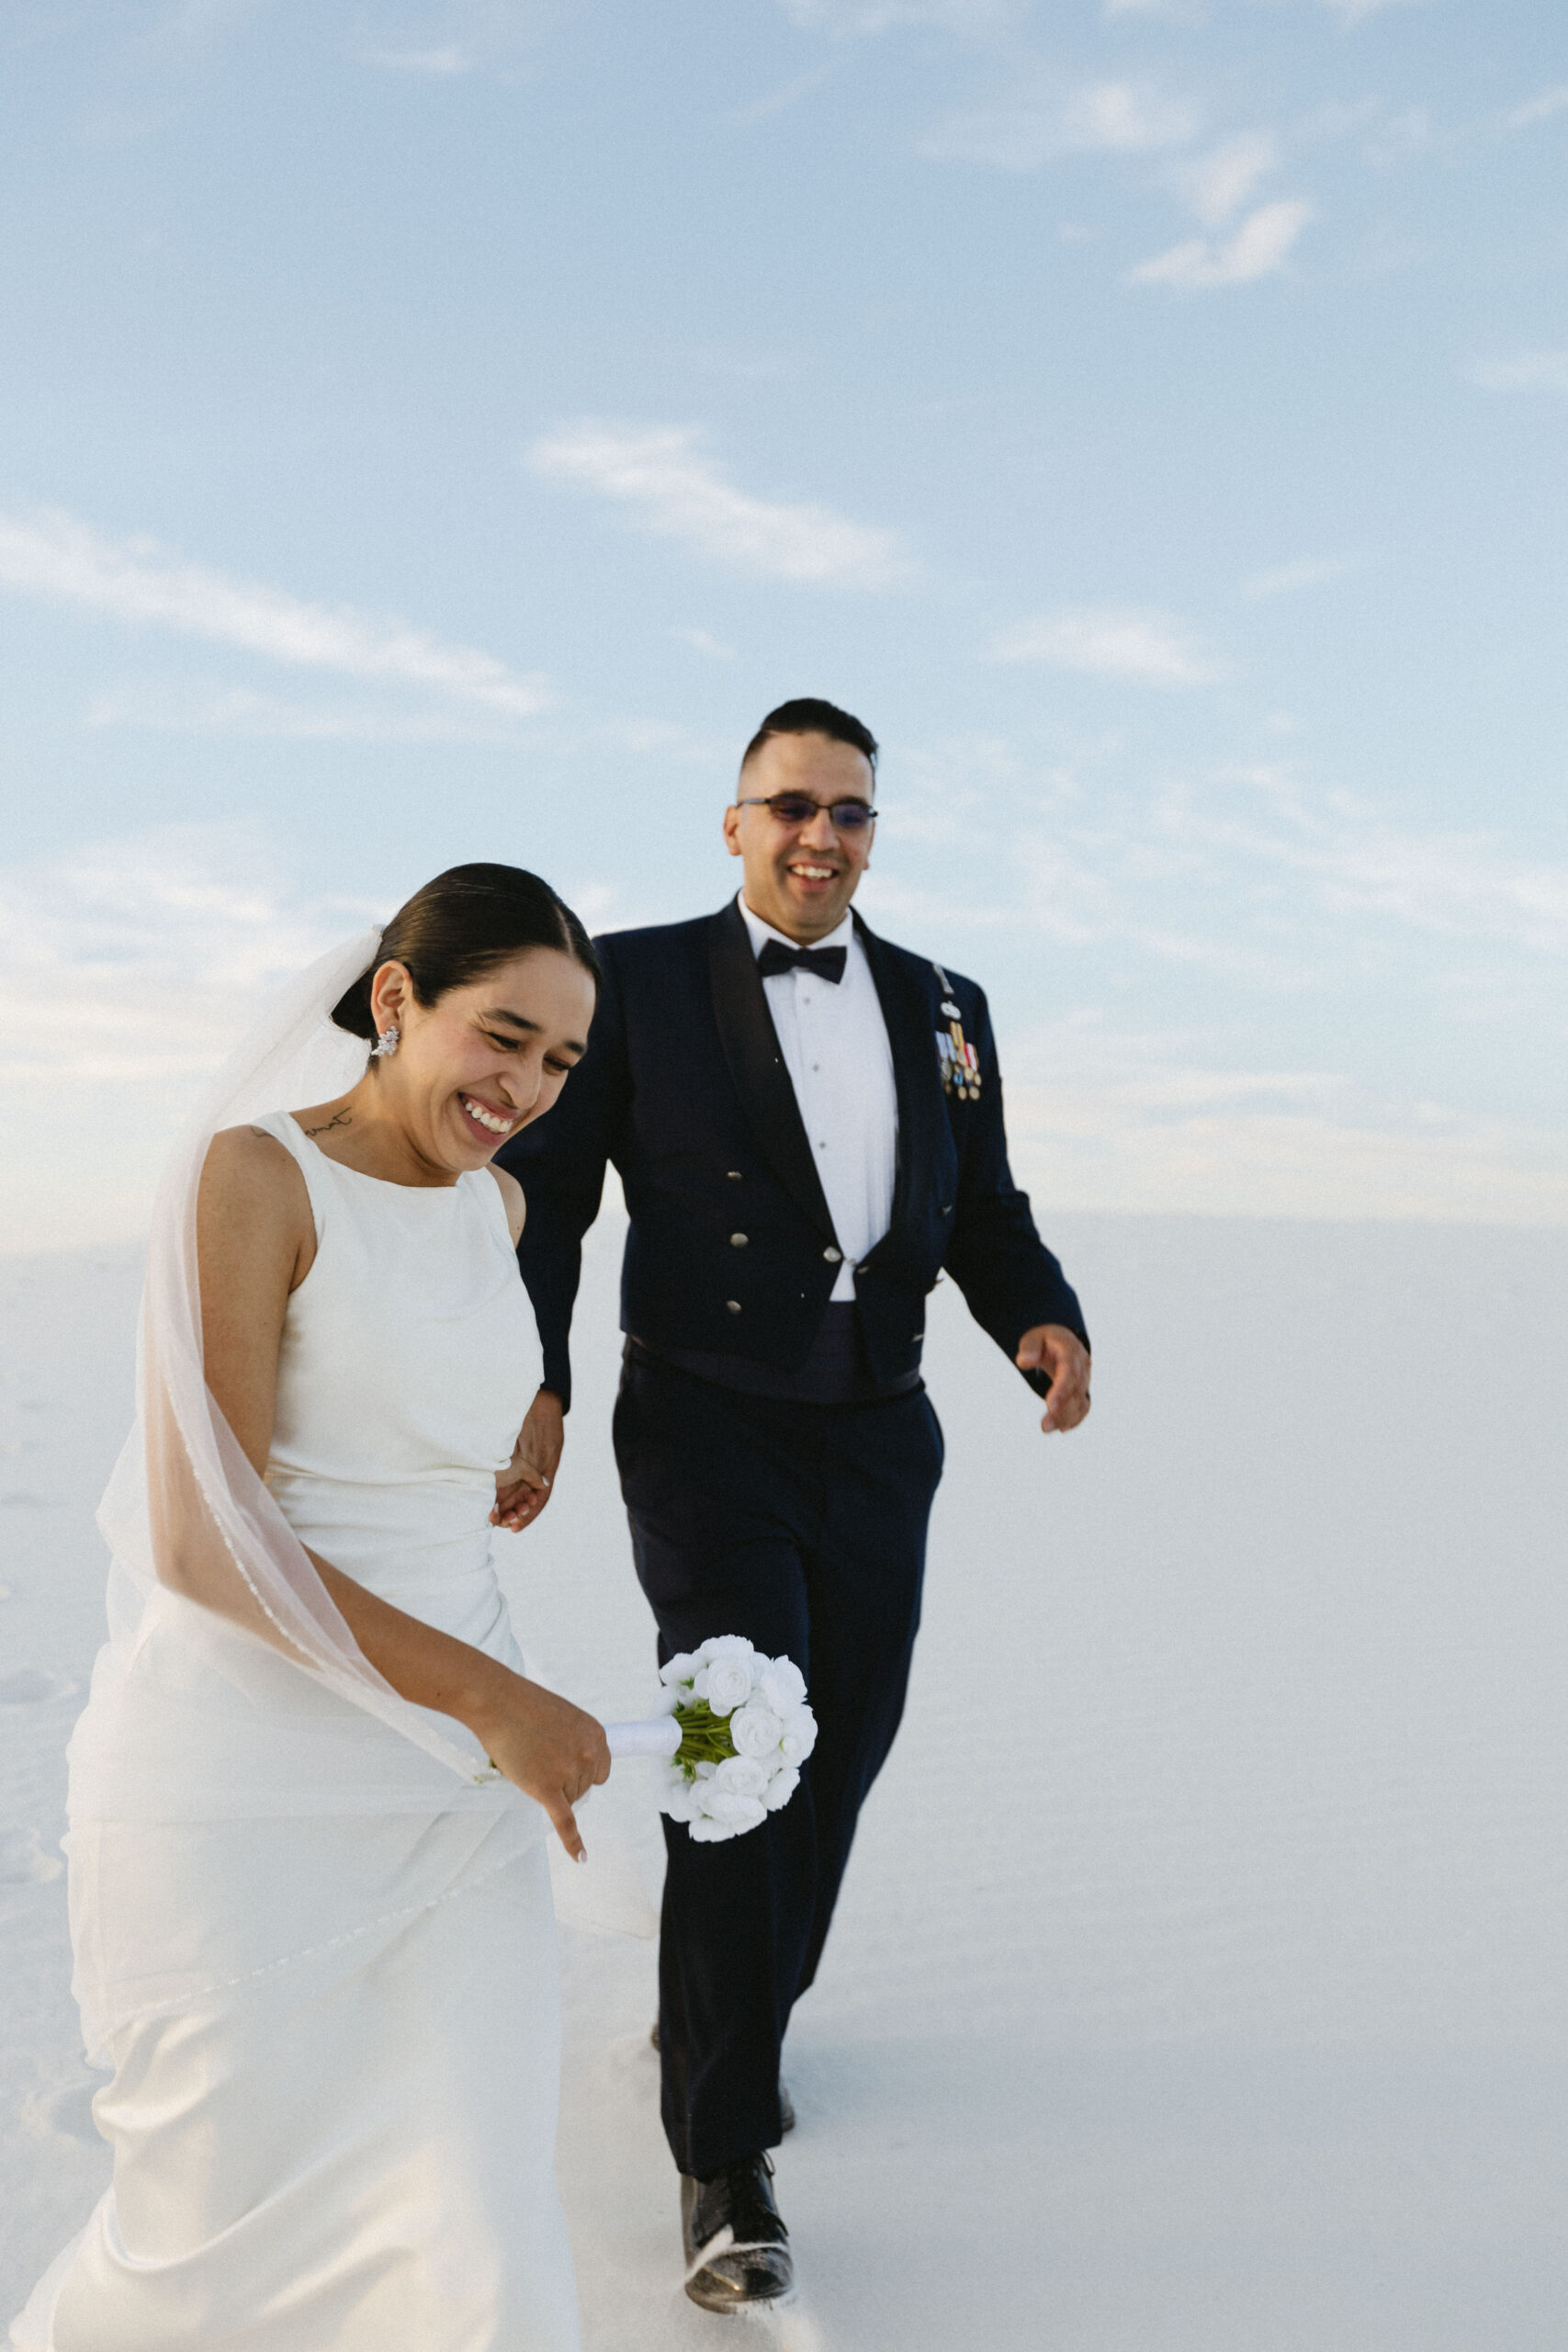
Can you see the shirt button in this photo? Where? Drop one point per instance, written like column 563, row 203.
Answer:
column 733, row 1174
column 733, row 1305
column 834, row 1257
column 737, row 1241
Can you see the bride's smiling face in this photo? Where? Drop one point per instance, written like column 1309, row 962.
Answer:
column 484, row 1059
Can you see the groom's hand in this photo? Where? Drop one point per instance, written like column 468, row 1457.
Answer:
column 525, row 1487
column 1052, row 1349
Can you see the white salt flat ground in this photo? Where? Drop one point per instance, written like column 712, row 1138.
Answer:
column 1199, row 1983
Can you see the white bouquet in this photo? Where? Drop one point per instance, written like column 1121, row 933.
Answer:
column 735, row 1730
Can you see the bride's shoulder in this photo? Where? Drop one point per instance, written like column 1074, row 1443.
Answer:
column 511, row 1199
column 253, row 1219
column 247, row 1167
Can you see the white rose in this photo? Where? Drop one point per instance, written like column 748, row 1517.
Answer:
column 705, row 1832
column 722, row 1646
column 677, row 1798
column 780, row 1788
column 740, row 1777
column 705, row 1771
column 680, row 1668
column 755, row 1730
column 781, row 1686
column 799, row 1736
column 729, row 1684
column 736, row 1814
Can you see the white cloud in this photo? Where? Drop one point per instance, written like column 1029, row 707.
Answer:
column 1247, row 823
column 1540, row 109
column 857, row 19
column 1103, row 641
column 1248, row 873
column 175, row 707
column 127, row 971
column 444, row 39
column 675, row 489
column 1217, row 185
column 1259, row 248
column 1357, row 12
column 1529, row 371
column 1122, row 1120
column 53, row 556
column 780, row 100
column 1024, row 130
column 1457, row 886
column 1122, row 118
column 702, row 641
column 1310, row 572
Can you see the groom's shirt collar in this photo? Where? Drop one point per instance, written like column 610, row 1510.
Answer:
column 760, row 933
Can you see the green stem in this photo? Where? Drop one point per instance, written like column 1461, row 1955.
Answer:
column 704, row 1737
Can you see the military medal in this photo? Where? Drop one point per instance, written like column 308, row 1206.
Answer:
column 957, row 1057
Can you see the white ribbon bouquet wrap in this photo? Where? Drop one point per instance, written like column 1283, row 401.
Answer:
column 734, row 1729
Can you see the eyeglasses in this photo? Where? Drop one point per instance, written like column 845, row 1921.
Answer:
column 794, row 808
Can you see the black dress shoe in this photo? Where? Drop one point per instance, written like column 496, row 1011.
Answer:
column 787, row 2105
column 737, row 2254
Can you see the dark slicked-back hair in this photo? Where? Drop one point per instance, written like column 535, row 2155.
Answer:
column 469, row 921
column 809, row 715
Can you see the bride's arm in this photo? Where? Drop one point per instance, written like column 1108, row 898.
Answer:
column 255, row 1242
column 551, row 1749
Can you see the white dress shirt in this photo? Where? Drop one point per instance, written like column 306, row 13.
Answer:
column 834, row 1043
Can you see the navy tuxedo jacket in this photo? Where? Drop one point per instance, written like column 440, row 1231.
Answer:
column 731, row 1248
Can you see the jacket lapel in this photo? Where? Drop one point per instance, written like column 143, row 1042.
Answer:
column 922, row 1123
column 757, row 1067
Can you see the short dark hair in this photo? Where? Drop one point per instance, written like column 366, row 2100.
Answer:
column 461, row 926
column 809, row 715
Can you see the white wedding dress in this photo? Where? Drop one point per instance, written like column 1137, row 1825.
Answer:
column 321, row 1964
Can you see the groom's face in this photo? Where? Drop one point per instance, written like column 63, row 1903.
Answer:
column 800, row 875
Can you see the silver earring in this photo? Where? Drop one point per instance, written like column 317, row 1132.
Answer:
column 386, row 1044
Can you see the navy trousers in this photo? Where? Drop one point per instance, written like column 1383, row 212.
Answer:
column 804, row 1528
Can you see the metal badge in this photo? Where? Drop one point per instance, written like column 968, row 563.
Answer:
column 957, row 1057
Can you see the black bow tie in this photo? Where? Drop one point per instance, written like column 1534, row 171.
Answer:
column 825, row 963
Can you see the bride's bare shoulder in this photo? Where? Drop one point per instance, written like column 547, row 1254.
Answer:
column 516, row 1207
column 253, row 1211
column 247, row 1168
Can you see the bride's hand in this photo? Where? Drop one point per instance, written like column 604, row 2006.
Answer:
column 523, row 1488
column 553, row 1751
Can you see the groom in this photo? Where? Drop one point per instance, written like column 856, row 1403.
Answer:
column 807, row 1123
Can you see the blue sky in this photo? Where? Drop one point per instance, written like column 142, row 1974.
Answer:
column 441, row 430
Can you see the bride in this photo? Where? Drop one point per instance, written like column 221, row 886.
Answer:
column 311, row 1792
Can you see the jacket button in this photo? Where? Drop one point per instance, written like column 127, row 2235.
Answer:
column 733, row 1174
column 739, row 1240
column 834, row 1257
column 733, row 1305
